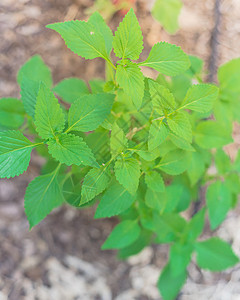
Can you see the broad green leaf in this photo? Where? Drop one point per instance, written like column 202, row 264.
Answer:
column 88, row 112
column 43, row 194
column 223, row 161
column 127, row 172
column 195, row 226
column 71, row 89
column 15, row 153
column 232, row 182
column 196, row 168
column 218, row 203
column 36, row 70
column 167, row 59
column 162, row 99
column 155, row 199
column 170, row 285
column 196, row 66
column 71, row 150
column 154, row 181
column 49, row 117
column 72, row 192
column 180, row 256
column 131, row 80
column 200, row 97
column 128, row 39
column 115, row 200
column 96, row 85
column 85, row 38
column 179, row 123
column 167, row 12
column 215, row 254
column 157, row 134
column 95, row 182
column 175, row 162
column 11, row 113
column 180, row 142
column 124, row 234
column 118, row 141
column 210, row 134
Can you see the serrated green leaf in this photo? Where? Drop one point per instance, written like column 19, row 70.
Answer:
column 200, row 97
column 95, row 182
column 175, row 162
column 158, row 132
column 215, row 254
column 167, row 12
column 167, row 59
column 36, row 70
column 11, row 113
column 70, row 89
column 180, row 142
column 88, row 112
column 71, row 150
column 155, row 199
column 128, row 39
column 72, row 192
column 15, row 153
column 162, row 99
column 196, row 168
column 131, row 80
column 124, row 234
column 179, row 123
column 97, row 86
column 115, row 200
column 218, row 203
column 154, row 181
column 49, row 117
column 127, row 172
column 118, row 141
column 85, row 38
column 43, row 194
column 210, row 134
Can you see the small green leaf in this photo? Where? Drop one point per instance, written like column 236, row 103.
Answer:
column 114, row 201
column 196, row 168
column 157, row 134
column 180, row 142
column 49, row 117
column 36, row 70
column 97, row 86
column 179, row 123
column 71, row 89
column 128, row 39
column 195, row 226
column 131, row 80
column 127, row 172
column 210, row 134
column 167, row 59
column 11, row 113
column 180, row 256
column 215, row 254
column 15, row 153
column 124, row 234
column 43, row 194
column 88, row 112
column 154, row 181
column 200, row 97
column 118, row 141
column 218, row 202
column 223, row 161
column 71, row 150
column 95, row 182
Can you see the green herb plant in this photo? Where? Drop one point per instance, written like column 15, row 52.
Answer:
column 139, row 148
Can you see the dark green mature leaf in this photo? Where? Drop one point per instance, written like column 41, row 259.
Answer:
column 219, row 202
column 88, row 39
column 114, row 201
column 157, row 134
column 118, row 141
column 215, row 254
column 179, row 123
column 131, row 80
column 43, row 194
column 210, row 134
column 128, row 39
column 127, row 172
column 71, row 150
column 11, row 113
column 29, row 93
column 167, row 12
column 95, row 182
column 124, row 234
column 200, row 97
column 170, row 285
column 167, row 59
column 15, row 153
column 49, row 117
column 88, row 112
column 36, row 70
column 70, row 89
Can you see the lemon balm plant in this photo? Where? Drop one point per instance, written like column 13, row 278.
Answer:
column 139, row 148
